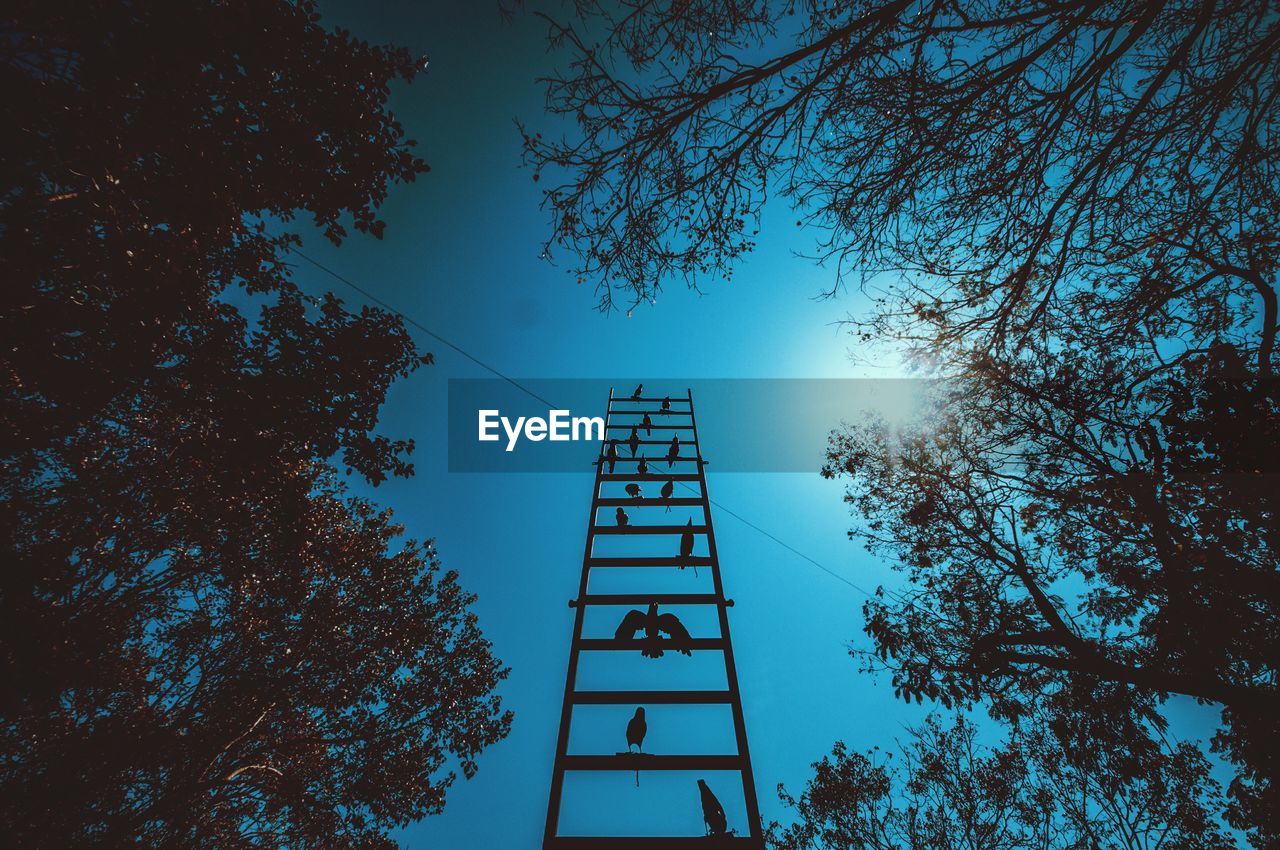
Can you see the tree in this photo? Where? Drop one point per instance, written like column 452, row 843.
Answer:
column 1032, row 790
column 1007, row 155
column 1067, row 213
column 207, row 640
column 1082, row 528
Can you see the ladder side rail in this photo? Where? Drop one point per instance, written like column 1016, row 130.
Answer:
column 571, row 674
column 731, row 671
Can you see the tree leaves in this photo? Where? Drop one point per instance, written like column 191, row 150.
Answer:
column 952, row 787
column 209, row 641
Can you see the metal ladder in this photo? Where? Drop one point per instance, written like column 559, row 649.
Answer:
column 623, row 414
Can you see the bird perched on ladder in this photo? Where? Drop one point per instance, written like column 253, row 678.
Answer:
column 666, row 404
column 647, row 424
column 636, row 730
column 667, row 490
column 712, row 811
column 642, row 468
column 622, row 517
column 633, row 490
column 674, row 451
column 652, row 624
column 611, row 455
column 639, row 391
column 633, row 441
column 686, row 546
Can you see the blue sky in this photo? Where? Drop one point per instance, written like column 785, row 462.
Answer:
column 461, row 255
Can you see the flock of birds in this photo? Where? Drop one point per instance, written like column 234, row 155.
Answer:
column 652, row 623
column 649, row 622
column 612, row 456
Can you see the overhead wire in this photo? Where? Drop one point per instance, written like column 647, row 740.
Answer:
column 409, row 320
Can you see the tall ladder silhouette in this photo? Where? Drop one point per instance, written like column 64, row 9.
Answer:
column 623, row 414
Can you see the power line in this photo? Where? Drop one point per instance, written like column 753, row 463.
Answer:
column 412, row 321
column 835, row 575
column 426, row 330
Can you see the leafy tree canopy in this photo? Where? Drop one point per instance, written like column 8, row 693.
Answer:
column 1041, row 787
column 1013, row 157
column 208, row 641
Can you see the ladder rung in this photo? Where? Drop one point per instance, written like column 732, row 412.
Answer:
column 652, row 697
column 621, row 502
column 628, row 426
column 652, row 400
column 648, row 529
column 626, row 444
column 644, row 761
column 652, row 413
column 655, row 459
column 637, row 644
column 656, row 842
column 676, row 561
column 651, row 476
column 646, row 598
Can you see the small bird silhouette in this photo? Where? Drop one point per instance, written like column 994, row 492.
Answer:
column 667, row 490
column 633, row 490
column 666, row 404
column 622, row 517
column 652, row 624
column 611, row 455
column 674, row 451
column 647, row 424
column 636, row 730
column 639, row 391
column 642, row 468
column 633, row 441
column 712, row 811
column 686, row 545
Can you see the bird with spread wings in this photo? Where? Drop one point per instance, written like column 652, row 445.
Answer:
column 653, row 625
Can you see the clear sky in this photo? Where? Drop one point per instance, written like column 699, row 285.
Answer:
column 461, row 255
